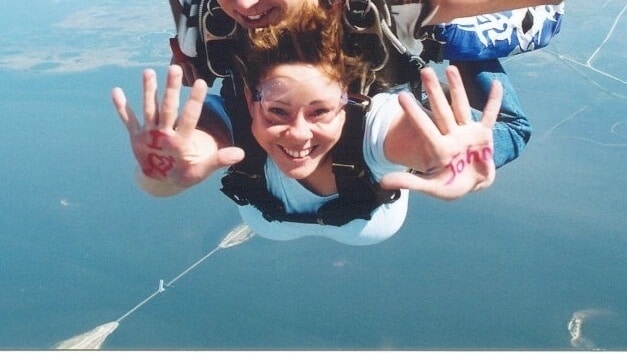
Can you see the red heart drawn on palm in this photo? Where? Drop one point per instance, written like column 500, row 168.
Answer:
column 160, row 164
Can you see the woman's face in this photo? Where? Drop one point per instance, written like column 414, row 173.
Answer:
column 297, row 117
column 261, row 13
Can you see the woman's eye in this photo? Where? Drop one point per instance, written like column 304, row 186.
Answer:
column 321, row 114
column 277, row 115
column 321, row 111
column 278, row 112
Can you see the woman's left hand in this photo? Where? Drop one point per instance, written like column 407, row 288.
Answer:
column 462, row 147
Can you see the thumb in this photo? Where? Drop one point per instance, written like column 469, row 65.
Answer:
column 402, row 180
column 228, row 156
column 430, row 187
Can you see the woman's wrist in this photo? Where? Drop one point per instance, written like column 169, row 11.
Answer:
column 156, row 187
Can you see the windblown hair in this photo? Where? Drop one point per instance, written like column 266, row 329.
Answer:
column 311, row 36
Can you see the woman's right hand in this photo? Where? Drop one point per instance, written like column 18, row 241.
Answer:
column 172, row 154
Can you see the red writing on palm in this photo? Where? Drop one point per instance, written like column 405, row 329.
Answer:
column 156, row 136
column 461, row 161
column 157, row 165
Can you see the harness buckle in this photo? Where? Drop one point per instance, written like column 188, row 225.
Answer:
column 348, row 170
column 219, row 34
column 365, row 36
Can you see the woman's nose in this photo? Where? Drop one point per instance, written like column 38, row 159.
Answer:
column 299, row 128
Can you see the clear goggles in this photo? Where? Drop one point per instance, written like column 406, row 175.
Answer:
column 282, row 98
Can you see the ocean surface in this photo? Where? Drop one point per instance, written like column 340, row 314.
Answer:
column 506, row 268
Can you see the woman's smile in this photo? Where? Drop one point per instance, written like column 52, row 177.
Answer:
column 259, row 19
column 298, row 153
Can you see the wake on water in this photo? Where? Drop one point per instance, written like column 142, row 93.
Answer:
column 576, row 324
column 90, row 340
column 94, row 338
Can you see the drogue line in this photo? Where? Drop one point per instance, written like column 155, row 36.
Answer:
column 160, row 287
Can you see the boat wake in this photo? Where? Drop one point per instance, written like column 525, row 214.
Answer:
column 576, row 324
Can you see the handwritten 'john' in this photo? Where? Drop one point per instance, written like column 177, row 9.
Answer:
column 457, row 165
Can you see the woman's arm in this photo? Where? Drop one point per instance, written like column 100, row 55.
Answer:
column 172, row 154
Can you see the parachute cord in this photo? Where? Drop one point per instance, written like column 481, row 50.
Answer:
column 169, row 284
column 138, row 306
column 393, row 39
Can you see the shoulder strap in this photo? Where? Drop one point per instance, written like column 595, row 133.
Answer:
column 369, row 32
column 359, row 194
column 220, row 38
column 206, row 40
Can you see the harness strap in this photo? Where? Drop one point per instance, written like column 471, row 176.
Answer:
column 369, row 32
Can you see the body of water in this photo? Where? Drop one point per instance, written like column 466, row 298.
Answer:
column 506, row 268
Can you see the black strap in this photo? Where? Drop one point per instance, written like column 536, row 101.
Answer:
column 369, row 32
column 359, row 193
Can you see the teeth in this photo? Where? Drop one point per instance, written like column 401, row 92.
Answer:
column 298, row 153
column 257, row 16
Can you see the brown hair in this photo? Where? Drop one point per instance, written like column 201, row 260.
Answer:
column 311, row 36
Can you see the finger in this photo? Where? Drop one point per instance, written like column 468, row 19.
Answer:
column 493, row 105
column 421, row 122
column 442, row 115
column 459, row 99
column 192, row 108
column 171, row 97
column 150, row 98
column 125, row 112
column 401, row 180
